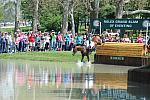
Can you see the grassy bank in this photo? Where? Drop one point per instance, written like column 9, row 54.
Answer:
column 46, row 56
column 23, row 29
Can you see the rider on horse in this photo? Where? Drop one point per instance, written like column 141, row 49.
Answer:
column 82, row 45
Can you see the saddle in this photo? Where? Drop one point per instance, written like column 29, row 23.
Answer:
column 79, row 48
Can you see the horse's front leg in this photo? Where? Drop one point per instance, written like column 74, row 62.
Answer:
column 73, row 54
column 82, row 57
column 88, row 57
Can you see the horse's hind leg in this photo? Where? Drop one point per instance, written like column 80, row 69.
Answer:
column 74, row 51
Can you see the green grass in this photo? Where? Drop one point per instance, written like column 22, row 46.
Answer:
column 46, row 56
column 23, row 29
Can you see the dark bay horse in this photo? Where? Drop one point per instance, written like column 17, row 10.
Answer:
column 84, row 51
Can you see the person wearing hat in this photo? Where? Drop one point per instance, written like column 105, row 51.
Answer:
column 53, row 40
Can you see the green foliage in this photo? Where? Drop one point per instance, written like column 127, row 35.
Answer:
column 80, row 12
column 26, row 29
column 1, row 12
column 7, row 30
column 26, row 8
column 9, row 9
column 108, row 11
column 23, row 29
column 51, row 22
column 50, row 15
column 50, row 11
column 137, row 5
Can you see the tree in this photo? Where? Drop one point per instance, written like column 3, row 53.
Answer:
column 9, row 9
column 93, row 7
column 1, row 12
column 80, row 14
column 65, row 16
column 30, row 10
column 35, row 20
column 17, row 14
column 56, row 14
column 119, row 10
column 71, row 12
column 107, row 11
column 26, row 9
column 134, row 7
column 50, row 15
column 138, row 8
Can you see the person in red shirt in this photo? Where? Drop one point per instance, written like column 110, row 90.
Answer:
column 31, row 41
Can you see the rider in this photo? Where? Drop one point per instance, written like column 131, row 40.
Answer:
column 78, row 40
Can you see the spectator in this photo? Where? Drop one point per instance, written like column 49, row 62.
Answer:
column 10, row 43
column 78, row 40
column 53, row 41
column 47, row 41
column 0, row 42
column 3, row 41
column 126, row 39
column 59, row 41
column 139, row 38
column 67, row 41
column 117, row 38
column 21, row 42
column 31, row 41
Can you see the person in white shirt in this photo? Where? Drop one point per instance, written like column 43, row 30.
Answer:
column 126, row 39
column 10, row 43
column 47, row 41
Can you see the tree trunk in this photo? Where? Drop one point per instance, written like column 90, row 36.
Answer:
column 73, row 24
column 93, row 13
column 77, row 24
column 85, row 21
column 97, row 7
column 65, row 16
column 119, row 14
column 119, row 10
column 71, row 5
column 35, row 15
column 17, row 14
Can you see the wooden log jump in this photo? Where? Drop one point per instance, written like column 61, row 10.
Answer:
column 132, row 54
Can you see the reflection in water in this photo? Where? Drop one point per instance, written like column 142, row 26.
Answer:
column 6, row 81
column 139, row 90
column 52, row 81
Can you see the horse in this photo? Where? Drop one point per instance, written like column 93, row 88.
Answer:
column 85, row 51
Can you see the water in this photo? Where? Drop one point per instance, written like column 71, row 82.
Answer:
column 31, row 80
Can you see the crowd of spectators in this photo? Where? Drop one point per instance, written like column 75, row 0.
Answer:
column 56, row 41
column 29, row 41
column 125, row 39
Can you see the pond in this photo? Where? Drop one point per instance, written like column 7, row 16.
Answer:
column 37, row 80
